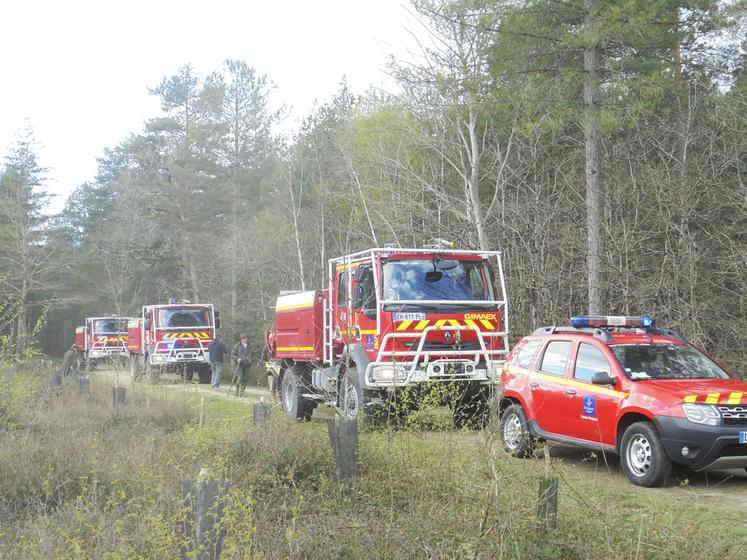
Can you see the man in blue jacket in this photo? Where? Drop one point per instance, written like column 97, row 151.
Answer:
column 217, row 350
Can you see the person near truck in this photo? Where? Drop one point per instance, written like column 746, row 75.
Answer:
column 217, row 350
column 70, row 361
column 242, row 354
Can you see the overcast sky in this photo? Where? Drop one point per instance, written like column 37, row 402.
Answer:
column 78, row 72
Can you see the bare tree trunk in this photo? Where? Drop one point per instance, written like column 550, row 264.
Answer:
column 594, row 187
column 22, row 321
column 296, row 234
column 474, row 181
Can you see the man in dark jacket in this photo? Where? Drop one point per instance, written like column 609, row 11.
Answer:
column 217, row 350
column 242, row 354
column 70, row 361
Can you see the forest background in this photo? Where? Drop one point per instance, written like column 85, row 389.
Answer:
column 601, row 145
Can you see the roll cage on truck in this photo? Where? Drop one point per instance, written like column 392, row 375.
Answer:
column 392, row 318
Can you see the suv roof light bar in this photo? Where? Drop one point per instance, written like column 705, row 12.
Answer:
column 596, row 332
column 606, row 321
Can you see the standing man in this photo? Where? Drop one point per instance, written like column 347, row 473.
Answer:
column 69, row 361
column 217, row 350
column 242, row 353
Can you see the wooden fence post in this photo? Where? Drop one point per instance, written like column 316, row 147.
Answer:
column 202, row 533
column 547, row 509
column 118, row 397
column 260, row 413
column 343, row 436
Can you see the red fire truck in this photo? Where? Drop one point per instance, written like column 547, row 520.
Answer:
column 172, row 337
column 392, row 318
column 102, row 337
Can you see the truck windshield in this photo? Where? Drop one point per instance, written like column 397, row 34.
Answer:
column 422, row 280
column 110, row 326
column 183, row 317
column 666, row 361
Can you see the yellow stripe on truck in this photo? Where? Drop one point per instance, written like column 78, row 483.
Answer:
column 295, row 348
column 296, row 306
column 422, row 324
column 404, row 324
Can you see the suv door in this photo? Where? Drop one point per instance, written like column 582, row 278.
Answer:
column 549, row 398
column 592, row 411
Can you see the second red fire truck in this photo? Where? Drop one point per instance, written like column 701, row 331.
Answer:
column 392, row 318
column 102, row 337
column 172, row 337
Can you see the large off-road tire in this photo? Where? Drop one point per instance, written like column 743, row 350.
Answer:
column 352, row 397
column 204, row 373
column 515, row 435
column 642, row 456
column 470, row 408
column 151, row 372
column 295, row 405
column 134, row 368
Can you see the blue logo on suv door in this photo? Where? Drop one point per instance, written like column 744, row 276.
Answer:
column 590, row 406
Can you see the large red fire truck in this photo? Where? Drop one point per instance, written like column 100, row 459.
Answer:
column 392, row 318
column 102, row 337
column 172, row 337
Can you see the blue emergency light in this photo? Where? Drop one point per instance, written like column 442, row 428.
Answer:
column 606, row 321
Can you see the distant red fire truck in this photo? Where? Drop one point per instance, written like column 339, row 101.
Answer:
column 102, row 337
column 172, row 337
column 392, row 318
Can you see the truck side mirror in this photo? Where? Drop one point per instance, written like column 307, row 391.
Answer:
column 146, row 324
column 217, row 319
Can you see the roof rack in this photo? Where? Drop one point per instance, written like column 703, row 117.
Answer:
column 595, row 332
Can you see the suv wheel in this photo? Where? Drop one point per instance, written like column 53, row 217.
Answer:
column 515, row 435
column 642, row 456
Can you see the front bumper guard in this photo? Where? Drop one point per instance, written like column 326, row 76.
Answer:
column 480, row 365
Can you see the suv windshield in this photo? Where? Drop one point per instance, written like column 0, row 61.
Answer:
column 184, row 317
column 422, row 280
column 665, row 361
column 110, row 326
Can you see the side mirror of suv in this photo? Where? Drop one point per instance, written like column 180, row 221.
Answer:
column 603, row 378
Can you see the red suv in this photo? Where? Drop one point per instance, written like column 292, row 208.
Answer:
column 621, row 385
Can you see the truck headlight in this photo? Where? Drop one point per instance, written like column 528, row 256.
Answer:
column 701, row 413
column 388, row 373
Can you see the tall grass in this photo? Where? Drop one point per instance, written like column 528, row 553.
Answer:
column 80, row 480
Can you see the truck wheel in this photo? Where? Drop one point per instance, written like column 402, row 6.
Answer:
column 515, row 434
column 151, row 373
column 470, row 409
column 134, row 369
column 352, row 399
column 295, row 406
column 204, row 373
column 642, row 456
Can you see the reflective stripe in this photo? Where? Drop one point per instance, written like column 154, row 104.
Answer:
column 735, row 398
column 295, row 348
column 422, row 324
column 404, row 324
column 297, row 306
column 440, row 323
column 589, row 387
column 487, row 324
column 712, row 398
column 690, row 398
column 470, row 323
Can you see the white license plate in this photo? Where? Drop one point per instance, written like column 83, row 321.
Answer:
column 409, row 316
column 742, row 437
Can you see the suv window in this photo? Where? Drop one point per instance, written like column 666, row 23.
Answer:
column 526, row 353
column 589, row 361
column 556, row 357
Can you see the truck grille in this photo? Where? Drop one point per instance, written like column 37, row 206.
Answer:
column 432, row 345
column 734, row 415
